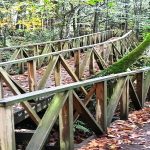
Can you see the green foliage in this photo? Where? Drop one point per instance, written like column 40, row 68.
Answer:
column 93, row 2
column 111, row 4
column 81, row 126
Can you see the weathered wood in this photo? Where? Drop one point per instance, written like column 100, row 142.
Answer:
column 101, row 106
column 77, row 63
column 42, row 132
column 85, row 62
column 22, row 65
column 32, row 95
column 146, row 85
column 66, row 124
column 15, row 90
column 13, row 57
column 23, row 135
column 32, row 75
column 86, row 115
column 60, row 52
column 116, row 49
column 1, row 88
column 7, row 136
column 91, row 64
column 100, row 61
column 139, row 87
column 134, row 96
column 71, row 73
column 49, row 69
column 124, row 63
column 57, row 73
column 46, row 49
column 118, row 89
column 86, row 100
column 124, row 102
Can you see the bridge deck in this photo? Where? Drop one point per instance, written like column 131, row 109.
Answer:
column 106, row 53
column 34, row 93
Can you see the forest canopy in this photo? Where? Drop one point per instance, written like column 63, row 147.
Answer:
column 25, row 21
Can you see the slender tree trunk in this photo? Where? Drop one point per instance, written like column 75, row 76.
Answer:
column 96, row 20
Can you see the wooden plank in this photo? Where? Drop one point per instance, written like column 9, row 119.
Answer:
column 139, row 87
column 86, row 115
column 49, row 69
column 101, row 104
column 46, row 49
column 57, row 73
column 124, row 102
column 85, row 62
column 86, row 100
column 116, row 49
column 59, row 52
column 134, row 96
column 42, row 132
column 13, row 57
column 128, row 43
column 118, row 89
column 100, row 61
column 31, row 65
column 131, row 42
column 32, row 95
column 15, row 90
column 66, row 124
column 7, row 135
column 21, row 65
column 71, row 73
column 91, row 64
column 1, row 88
column 146, row 85
column 125, row 46
column 77, row 63
column 65, row 46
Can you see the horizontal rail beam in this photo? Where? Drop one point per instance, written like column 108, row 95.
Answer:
column 33, row 95
column 64, row 51
column 51, row 42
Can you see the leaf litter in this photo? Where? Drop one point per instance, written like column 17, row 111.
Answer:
column 132, row 134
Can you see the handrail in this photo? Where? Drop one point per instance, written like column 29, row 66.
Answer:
column 33, row 95
column 48, row 42
column 64, row 51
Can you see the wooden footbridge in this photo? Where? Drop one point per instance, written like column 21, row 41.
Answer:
column 62, row 86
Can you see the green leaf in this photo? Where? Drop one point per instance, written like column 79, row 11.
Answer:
column 111, row 4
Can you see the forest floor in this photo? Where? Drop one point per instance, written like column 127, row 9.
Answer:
column 132, row 134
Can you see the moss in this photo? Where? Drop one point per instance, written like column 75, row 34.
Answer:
column 124, row 63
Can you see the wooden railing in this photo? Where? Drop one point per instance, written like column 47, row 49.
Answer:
column 102, row 54
column 23, row 51
column 58, row 71
column 109, row 92
column 96, row 57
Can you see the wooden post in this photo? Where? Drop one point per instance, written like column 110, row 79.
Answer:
column 66, row 124
column 91, row 65
column 22, row 64
column 7, row 136
column 124, row 102
column 101, row 106
column 1, row 87
column 57, row 73
column 146, row 86
column 77, row 63
column 139, row 87
column 32, row 75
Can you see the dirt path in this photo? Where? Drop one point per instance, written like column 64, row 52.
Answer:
column 133, row 134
